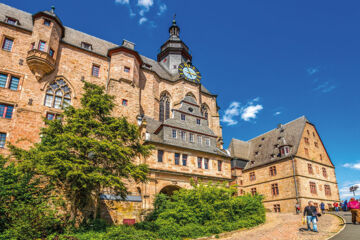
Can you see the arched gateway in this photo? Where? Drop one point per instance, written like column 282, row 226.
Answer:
column 169, row 190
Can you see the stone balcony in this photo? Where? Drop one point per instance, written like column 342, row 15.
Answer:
column 40, row 63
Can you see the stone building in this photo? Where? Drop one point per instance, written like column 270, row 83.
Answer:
column 42, row 68
column 286, row 165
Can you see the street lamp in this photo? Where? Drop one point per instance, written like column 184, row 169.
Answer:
column 353, row 189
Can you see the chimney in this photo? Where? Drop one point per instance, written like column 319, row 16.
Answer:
column 128, row 44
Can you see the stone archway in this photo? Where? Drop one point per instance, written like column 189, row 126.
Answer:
column 169, row 189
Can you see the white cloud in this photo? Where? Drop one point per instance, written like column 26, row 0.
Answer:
column 143, row 9
column 122, row 1
column 352, row 165
column 250, row 112
column 142, row 20
column 232, row 111
column 325, row 87
column 277, row 113
column 312, row 70
column 146, row 4
column 246, row 112
column 162, row 9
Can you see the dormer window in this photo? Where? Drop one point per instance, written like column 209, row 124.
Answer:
column 284, row 150
column 11, row 21
column 86, row 46
column 47, row 22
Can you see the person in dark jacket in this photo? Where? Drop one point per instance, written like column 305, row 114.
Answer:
column 311, row 216
column 322, row 207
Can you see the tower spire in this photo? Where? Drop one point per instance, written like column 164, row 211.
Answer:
column 174, row 30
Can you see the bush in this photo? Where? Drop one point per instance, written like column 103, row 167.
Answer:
column 201, row 211
column 24, row 210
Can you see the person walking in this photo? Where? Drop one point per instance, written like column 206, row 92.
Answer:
column 354, row 207
column 297, row 208
column 322, row 207
column 345, row 208
column 311, row 216
column 336, row 206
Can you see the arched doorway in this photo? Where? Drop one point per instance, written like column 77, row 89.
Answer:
column 169, row 190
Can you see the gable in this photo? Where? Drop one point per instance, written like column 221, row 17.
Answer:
column 311, row 146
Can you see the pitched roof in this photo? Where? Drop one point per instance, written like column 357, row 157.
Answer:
column 264, row 149
column 75, row 38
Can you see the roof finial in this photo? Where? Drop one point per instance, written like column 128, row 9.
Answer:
column 174, row 19
column 52, row 9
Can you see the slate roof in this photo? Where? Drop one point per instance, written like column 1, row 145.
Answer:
column 264, row 149
column 74, row 38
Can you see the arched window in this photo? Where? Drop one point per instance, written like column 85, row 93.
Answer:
column 204, row 111
column 164, row 111
column 58, row 94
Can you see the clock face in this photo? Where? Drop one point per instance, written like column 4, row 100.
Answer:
column 189, row 72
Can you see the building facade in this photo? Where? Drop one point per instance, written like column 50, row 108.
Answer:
column 42, row 68
column 286, row 165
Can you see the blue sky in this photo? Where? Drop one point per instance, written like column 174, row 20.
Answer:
column 269, row 61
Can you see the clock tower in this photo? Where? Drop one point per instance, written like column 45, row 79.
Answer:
column 174, row 51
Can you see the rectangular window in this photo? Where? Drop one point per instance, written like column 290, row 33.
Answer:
column 160, row 155
column 124, row 102
column 306, row 151
column 183, row 117
column 206, row 163
column 174, row 133
column 306, row 140
column 252, row 176
column 11, row 21
column 2, row 140
column 207, row 141
column 277, row 208
column 184, row 159
column 183, row 135
column 95, row 70
column 32, row 46
column 199, row 139
column 126, row 69
column 42, row 46
column 273, row 171
column 253, row 191
column 177, row 158
column 14, row 83
column 327, row 190
column 274, row 189
column 3, row 80
column 47, row 22
column 191, row 137
column 310, row 169
column 7, row 44
column 199, row 161
column 50, row 116
column 51, row 52
column 219, row 165
column 324, row 172
column 316, row 144
column 86, row 46
column 6, row 111
column 313, row 187
column 198, row 121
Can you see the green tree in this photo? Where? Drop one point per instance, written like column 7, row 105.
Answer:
column 87, row 151
column 24, row 205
